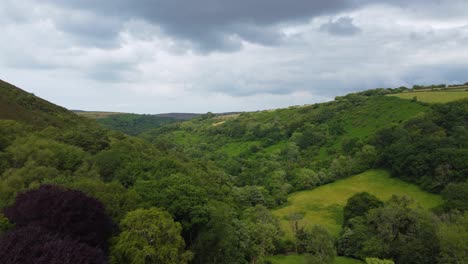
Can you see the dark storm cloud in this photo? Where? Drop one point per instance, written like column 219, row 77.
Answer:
column 208, row 24
column 342, row 26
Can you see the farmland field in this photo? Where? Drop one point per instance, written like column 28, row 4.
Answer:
column 299, row 259
column 434, row 97
column 324, row 205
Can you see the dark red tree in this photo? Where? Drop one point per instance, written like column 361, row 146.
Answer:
column 68, row 213
column 36, row 245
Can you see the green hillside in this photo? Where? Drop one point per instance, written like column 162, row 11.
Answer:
column 217, row 188
column 324, row 205
column 16, row 104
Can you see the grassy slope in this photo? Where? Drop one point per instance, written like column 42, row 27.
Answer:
column 434, row 97
column 300, row 259
column 324, row 205
column 19, row 105
column 376, row 113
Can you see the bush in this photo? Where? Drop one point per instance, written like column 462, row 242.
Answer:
column 68, row 213
column 36, row 245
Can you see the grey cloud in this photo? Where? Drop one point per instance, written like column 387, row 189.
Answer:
column 342, row 26
column 90, row 30
column 211, row 24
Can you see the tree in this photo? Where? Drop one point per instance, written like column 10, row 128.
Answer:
column 263, row 231
column 45, row 152
column 33, row 244
column 149, row 236
column 5, row 224
column 453, row 237
column 224, row 239
column 319, row 246
column 359, row 204
column 69, row 213
column 456, row 196
column 181, row 197
column 117, row 200
column 402, row 233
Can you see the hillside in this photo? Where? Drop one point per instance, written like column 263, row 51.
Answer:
column 16, row 104
column 289, row 143
column 222, row 185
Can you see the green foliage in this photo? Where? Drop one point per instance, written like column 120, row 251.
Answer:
column 428, row 150
column 117, row 200
column 263, row 231
column 359, row 204
column 179, row 195
column 5, row 224
column 456, row 196
column 394, row 231
column 133, row 124
column 45, row 152
column 318, row 244
column 149, row 236
column 453, row 237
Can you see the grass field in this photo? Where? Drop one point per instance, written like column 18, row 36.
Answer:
column 299, row 259
column 324, row 205
column 96, row 114
column 434, row 97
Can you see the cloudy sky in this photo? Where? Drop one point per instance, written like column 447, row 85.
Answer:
column 155, row 56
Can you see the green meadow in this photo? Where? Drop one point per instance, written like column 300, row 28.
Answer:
column 324, row 205
column 300, row 259
column 434, row 97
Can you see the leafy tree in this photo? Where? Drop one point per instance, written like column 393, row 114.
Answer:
column 456, row 196
column 453, row 238
column 33, row 244
column 180, row 196
column 318, row 245
column 117, row 200
column 223, row 239
column 27, row 177
column 5, row 224
column 149, row 236
column 45, row 152
column 404, row 234
column 69, row 213
column 263, row 230
column 352, row 238
column 359, row 204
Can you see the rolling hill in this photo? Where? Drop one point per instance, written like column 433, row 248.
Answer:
column 19, row 105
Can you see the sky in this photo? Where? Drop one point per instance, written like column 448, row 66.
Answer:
column 159, row 56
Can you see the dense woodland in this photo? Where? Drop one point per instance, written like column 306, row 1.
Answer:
column 201, row 191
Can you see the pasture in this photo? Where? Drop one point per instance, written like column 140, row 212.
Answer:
column 434, row 96
column 324, row 205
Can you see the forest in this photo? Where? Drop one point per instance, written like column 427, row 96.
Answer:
column 205, row 190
